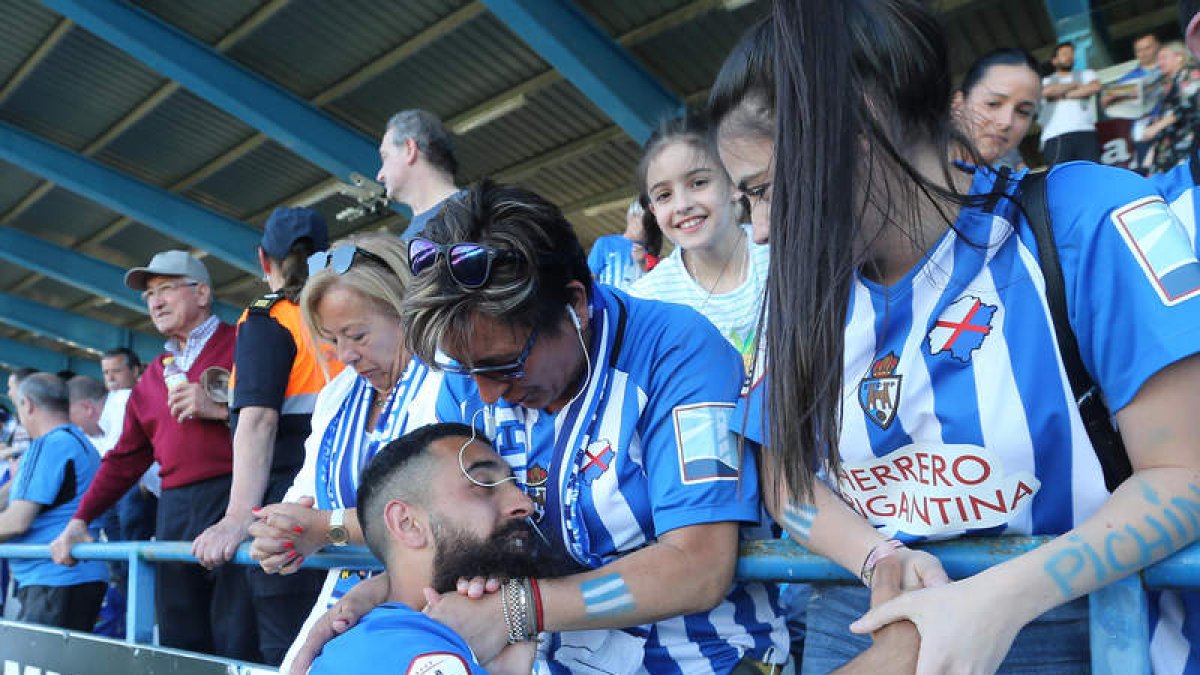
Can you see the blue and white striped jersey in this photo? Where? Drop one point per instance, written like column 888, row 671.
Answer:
column 645, row 449
column 1175, row 615
column 339, row 449
column 958, row 417
column 611, row 262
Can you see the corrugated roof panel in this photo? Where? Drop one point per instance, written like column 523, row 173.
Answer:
column 114, row 314
column 140, row 243
column 81, row 89
column 604, row 169
column 620, row 16
column 12, row 274
column 548, row 122
column 55, row 293
column 446, row 78
column 178, row 137
column 687, row 57
column 64, row 217
column 257, row 181
column 26, row 24
column 346, row 35
column 15, row 183
column 205, row 20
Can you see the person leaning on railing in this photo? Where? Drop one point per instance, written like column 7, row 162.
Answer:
column 917, row 366
column 187, row 432
column 352, row 300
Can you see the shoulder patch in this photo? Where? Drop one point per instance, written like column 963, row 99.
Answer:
column 708, row 450
column 438, row 663
column 1161, row 248
column 264, row 304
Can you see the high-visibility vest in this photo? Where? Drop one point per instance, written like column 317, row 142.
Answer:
column 314, row 364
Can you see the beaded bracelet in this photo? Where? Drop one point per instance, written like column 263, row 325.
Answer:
column 878, row 552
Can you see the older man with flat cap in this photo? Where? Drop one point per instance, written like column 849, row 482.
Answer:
column 170, row 418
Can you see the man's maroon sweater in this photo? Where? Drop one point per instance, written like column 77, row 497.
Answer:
column 187, row 453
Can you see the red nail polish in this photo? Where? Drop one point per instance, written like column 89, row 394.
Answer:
column 298, row 530
column 288, row 544
column 256, row 510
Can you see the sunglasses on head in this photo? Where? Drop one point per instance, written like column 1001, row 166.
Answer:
column 514, row 370
column 470, row 264
column 340, row 259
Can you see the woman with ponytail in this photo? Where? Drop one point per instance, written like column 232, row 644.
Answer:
column 916, row 391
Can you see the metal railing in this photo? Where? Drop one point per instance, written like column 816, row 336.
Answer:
column 1119, row 626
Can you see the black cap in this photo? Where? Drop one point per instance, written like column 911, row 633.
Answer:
column 287, row 225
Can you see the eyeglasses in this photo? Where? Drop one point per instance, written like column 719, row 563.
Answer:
column 169, row 287
column 470, row 264
column 340, row 259
column 507, row 371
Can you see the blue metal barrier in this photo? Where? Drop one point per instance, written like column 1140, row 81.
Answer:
column 1120, row 640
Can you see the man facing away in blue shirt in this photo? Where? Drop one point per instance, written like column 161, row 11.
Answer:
column 52, row 474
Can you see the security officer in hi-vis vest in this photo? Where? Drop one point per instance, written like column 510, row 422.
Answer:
column 278, row 371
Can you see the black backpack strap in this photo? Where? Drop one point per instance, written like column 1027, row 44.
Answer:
column 1110, row 449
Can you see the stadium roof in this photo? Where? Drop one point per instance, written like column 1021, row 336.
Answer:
column 130, row 128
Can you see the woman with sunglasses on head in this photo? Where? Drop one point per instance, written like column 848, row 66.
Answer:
column 614, row 415
column 277, row 372
column 352, row 300
column 913, row 290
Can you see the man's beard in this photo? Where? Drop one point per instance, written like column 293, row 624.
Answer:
column 512, row 552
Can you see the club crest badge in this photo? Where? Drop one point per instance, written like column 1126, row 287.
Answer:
column 535, row 487
column 961, row 328
column 597, row 457
column 879, row 393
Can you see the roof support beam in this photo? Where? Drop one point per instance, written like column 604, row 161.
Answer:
column 591, row 60
column 283, row 116
column 81, row 271
column 15, row 354
column 168, row 213
column 74, row 329
column 69, row 267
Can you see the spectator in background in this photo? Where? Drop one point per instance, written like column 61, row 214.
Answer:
column 1145, row 52
column 135, row 513
column 1172, row 130
column 17, row 438
column 417, row 165
column 56, row 470
column 278, row 371
column 1068, row 116
column 620, row 259
column 996, row 104
column 187, row 432
column 87, row 396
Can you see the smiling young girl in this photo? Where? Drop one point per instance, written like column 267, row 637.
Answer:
column 715, row 268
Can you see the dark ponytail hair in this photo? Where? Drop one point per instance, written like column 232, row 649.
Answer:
column 1007, row 56
column 857, row 83
column 294, row 268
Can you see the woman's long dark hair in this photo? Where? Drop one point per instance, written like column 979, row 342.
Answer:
column 856, row 82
